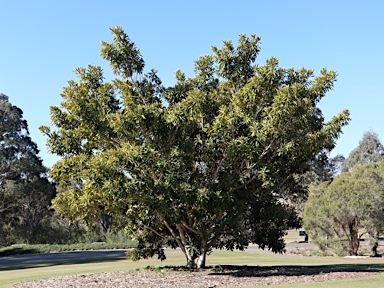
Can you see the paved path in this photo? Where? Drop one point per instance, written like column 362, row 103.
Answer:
column 60, row 256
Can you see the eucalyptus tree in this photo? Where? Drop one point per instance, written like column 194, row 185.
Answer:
column 341, row 211
column 199, row 165
column 25, row 191
column 369, row 150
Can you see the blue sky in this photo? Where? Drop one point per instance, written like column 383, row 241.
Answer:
column 42, row 42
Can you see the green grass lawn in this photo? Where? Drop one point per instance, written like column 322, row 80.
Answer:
column 15, row 274
column 293, row 236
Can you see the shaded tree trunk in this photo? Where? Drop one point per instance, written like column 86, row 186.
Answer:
column 190, row 258
column 105, row 221
column 375, row 245
column 374, row 249
column 200, row 261
column 354, row 236
column 196, row 258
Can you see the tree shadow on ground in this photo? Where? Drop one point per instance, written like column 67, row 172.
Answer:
column 268, row 271
column 19, row 251
column 61, row 262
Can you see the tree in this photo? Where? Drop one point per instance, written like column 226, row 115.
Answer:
column 341, row 211
column 25, row 191
column 199, row 165
column 323, row 168
column 369, row 150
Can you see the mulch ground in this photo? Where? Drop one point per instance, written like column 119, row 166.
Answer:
column 218, row 277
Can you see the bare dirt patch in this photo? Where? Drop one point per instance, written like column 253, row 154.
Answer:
column 218, row 277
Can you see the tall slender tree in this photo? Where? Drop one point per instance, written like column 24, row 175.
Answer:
column 25, row 192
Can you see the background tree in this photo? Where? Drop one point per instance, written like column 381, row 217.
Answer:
column 341, row 211
column 199, row 165
column 369, row 150
column 323, row 168
column 25, row 192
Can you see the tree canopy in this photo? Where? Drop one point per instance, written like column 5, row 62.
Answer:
column 202, row 164
column 369, row 150
column 25, row 192
column 343, row 210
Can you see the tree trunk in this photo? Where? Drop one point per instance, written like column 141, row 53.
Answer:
column 374, row 249
column 200, row 261
column 189, row 257
column 190, row 263
column 375, row 245
column 354, row 237
column 196, row 259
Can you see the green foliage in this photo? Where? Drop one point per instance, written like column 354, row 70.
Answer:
column 322, row 169
column 25, row 192
column 200, row 165
column 369, row 150
column 340, row 211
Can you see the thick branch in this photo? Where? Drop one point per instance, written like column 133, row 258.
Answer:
column 184, row 241
column 9, row 207
column 190, row 218
column 190, row 228
column 212, row 241
column 173, row 233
